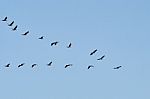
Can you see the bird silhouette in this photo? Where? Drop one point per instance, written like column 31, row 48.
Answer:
column 93, row 52
column 101, row 57
column 67, row 65
column 33, row 65
column 54, row 43
column 49, row 64
column 11, row 23
column 42, row 37
column 117, row 67
column 69, row 45
column 26, row 33
column 7, row 65
column 90, row 66
column 15, row 28
column 21, row 64
column 5, row 19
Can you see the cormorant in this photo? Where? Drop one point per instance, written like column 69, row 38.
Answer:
column 34, row 65
column 41, row 37
column 11, row 23
column 117, row 67
column 26, row 33
column 69, row 45
column 7, row 65
column 15, row 28
column 5, row 19
column 68, row 65
column 101, row 57
column 54, row 43
column 93, row 52
column 21, row 64
column 90, row 66
column 49, row 64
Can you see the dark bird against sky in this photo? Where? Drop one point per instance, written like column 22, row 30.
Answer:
column 54, row 43
column 101, row 57
column 117, row 67
column 11, row 23
column 26, row 33
column 42, row 37
column 7, row 65
column 15, row 28
column 68, row 65
column 5, row 19
column 90, row 66
column 33, row 65
column 69, row 45
column 93, row 52
column 49, row 64
column 21, row 64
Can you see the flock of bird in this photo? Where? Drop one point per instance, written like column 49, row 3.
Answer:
column 53, row 43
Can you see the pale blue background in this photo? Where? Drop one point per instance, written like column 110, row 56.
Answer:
column 120, row 29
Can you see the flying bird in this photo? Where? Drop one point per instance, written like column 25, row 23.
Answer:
column 117, row 67
column 90, row 66
column 101, row 57
column 11, row 23
column 68, row 65
column 49, row 64
column 15, row 28
column 7, row 65
column 41, row 37
column 69, row 45
column 93, row 52
column 34, row 65
column 5, row 19
column 26, row 33
column 21, row 64
column 54, row 43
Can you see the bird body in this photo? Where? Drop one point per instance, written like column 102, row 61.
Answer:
column 41, row 37
column 93, row 52
column 34, row 65
column 54, row 43
column 7, row 65
column 11, row 23
column 69, row 45
column 117, row 67
column 49, row 64
column 26, row 33
column 5, row 19
column 90, row 66
column 101, row 57
column 15, row 28
column 68, row 65
column 21, row 65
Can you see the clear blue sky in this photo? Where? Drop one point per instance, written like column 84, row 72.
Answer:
column 119, row 29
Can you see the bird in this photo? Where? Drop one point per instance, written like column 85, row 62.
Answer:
column 101, row 57
column 41, row 37
column 34, row 65
column 21, row 64
column 15, row 28
column 49, row 64
column 54, row 43
column 69, row 45
column 67, row 65
column 93, row 52
column 117, row 67
column 26, row 33
column 11, row 23
column 7, row 65
column 90, row 66
column 5, row 19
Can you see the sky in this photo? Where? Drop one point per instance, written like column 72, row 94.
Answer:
column 118, row 29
